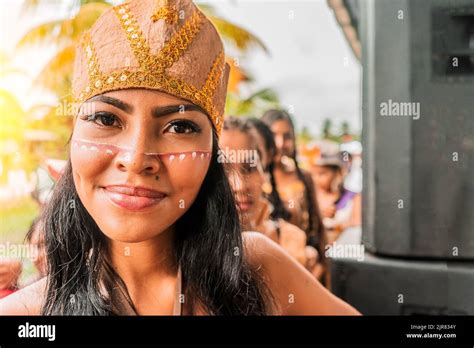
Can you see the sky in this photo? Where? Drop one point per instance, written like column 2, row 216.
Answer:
column 309, row 64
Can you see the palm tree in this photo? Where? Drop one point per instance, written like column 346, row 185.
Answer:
column 327, row 128
column 24, row 137
column 65, row 34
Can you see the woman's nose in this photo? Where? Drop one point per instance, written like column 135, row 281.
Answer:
column 279, row 141
column 136, row 158
column 236, row 182
column 138, row 162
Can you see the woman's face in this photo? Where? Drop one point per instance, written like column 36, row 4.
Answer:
column 283, row 139
column 323, row 177
column 262, row 150
column 139, row 158
column 245, row 178
column 37, row 241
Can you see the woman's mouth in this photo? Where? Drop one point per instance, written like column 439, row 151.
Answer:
column 244, row 205
column 132, row 198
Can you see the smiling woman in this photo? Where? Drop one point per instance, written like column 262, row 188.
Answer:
column 120, row 151
column 143, row 220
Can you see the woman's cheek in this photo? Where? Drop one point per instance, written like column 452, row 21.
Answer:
column 255, row 181
column 186, row 175
column 88, row 161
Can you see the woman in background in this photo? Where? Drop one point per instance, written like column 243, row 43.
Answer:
column 143, row 219
column 296, row 186
column 247, row 181
column 340, row 207
column 10, row 271
column 267, row 148
column 35, row 238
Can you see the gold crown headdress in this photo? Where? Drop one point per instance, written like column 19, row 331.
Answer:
column 165, row 45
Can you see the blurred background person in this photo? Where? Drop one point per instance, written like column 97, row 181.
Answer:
column 295, row 185
column 10, row 270
column 351, row 153
column 267, row 150
column 248, row 178
column 11, row 277
column 35, row 239
column 14, row 273
column 340, row 207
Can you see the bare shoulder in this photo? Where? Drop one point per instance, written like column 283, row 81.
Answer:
column 294, row 289
column 290, row 230
column 257, row 246
column 26, row 301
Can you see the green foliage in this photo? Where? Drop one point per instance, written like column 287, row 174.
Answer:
column 16, row 218
column 254, row 105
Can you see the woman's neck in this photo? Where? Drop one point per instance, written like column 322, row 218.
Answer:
column 136, row 262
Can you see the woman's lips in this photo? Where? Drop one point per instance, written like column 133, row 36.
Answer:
column 244, row 206
column 133, row 198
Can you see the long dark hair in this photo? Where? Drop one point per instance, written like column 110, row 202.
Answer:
column 265, row 132
column 208, row 245
column 315, row 230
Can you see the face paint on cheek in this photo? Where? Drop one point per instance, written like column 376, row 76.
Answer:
column 179, row 174
column 86, row 149
column 90, row 159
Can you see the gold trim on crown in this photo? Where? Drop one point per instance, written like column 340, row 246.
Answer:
column 152, row 68
column 166, row 12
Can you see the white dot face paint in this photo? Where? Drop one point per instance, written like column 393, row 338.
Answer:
column 98, row 165
column 112, row 147
column 98, row 151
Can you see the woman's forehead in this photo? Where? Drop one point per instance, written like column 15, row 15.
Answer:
column 141, row 99
column 237, row 139
column 137, row 95
column 281, row 126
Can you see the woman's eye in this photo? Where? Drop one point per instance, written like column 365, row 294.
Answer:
column 104, row 119
column 183, row 127
column 247, row 168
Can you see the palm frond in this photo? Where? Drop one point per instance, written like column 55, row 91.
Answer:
column 266, row 94
column 46, row 32
column 56, row 75
column 64, row 30
column 11, row 116
column 29, row 5
column 238, row 36
column 254, row 105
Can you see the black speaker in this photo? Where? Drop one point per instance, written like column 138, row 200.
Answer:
column 378, row 285
column 418, row 127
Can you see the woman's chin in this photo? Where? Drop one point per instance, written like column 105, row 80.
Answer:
column 126, row 237
column 132, row 233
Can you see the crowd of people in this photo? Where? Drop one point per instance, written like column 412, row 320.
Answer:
column 303, row 210
column 149, row 217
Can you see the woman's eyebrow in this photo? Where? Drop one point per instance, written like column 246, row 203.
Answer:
column 114, row 102
column 157, row 112
column 171, row 109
